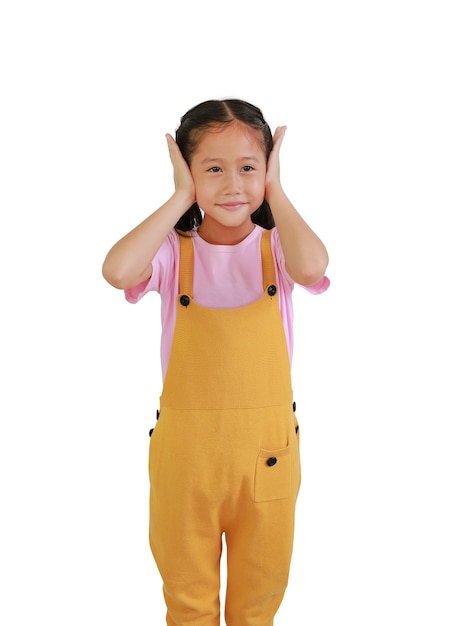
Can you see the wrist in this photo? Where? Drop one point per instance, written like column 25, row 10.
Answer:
column 184, row 198
column 273, row 189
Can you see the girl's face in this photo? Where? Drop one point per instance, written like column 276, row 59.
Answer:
column 229, row 170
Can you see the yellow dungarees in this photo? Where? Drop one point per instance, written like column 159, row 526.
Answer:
column 224, row 458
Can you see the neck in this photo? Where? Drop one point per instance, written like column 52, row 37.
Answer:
column 218, row 234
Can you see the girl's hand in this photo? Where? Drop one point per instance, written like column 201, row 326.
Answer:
column 273, row 170
column 181, row 172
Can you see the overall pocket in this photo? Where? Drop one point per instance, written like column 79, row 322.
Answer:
column 272, row 480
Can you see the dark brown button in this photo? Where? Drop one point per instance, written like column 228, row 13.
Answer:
column 272, row 461
column 271, row 290
column 184, row 300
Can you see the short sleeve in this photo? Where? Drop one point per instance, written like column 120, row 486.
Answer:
column 163, row 270
column 317, row 288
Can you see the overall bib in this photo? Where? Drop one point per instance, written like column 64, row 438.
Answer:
column 224, row 458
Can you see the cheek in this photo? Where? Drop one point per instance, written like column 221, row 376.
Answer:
column 258, row 186
column 201, row 189
column 205, row 197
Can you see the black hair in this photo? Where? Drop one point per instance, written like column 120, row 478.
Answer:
column 215, row 113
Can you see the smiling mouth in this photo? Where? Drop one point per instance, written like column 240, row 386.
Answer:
column 232, row 206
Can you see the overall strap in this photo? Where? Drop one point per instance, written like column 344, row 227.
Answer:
column 186, row 265
column 268, row 264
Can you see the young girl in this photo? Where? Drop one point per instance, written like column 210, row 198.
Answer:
column 224, row 253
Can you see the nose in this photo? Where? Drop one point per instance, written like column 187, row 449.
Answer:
column 232, row 182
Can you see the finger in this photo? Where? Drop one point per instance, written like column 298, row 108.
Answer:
column 169, row 139
column 170, row 142
column 279, row 136
column 174, row 151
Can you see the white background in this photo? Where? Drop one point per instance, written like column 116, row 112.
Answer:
column 368, row 92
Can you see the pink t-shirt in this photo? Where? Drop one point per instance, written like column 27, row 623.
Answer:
column 224, row 277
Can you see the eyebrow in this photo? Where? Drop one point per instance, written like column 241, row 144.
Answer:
column 221, row 159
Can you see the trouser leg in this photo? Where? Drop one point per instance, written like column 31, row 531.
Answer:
column 184, row 529
column 259, row 551
column 187, row 552
column 260, row 535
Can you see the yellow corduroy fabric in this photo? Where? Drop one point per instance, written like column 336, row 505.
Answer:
column 224, row 458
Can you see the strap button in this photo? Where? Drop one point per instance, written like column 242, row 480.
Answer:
column 271, row 290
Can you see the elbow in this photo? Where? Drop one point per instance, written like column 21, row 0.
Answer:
column 122, row 277
column 113, row 276
column 311, row 272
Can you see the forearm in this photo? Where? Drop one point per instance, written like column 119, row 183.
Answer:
column 128, row 263
column 305, row 255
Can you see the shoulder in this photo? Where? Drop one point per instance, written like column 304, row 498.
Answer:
column 277, row 251
column 168, row 250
